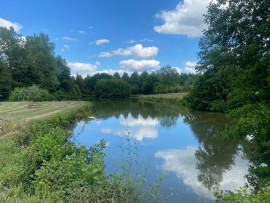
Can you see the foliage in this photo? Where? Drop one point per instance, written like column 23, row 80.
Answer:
column 234, row 56
column 31, row 60
column 5, row 78
column 30, row 94
column 113, row 88
column 241, row 196
column 235, row 67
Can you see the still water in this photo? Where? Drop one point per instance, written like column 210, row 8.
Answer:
column 184, row 144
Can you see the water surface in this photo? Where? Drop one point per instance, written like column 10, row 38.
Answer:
column 184, row 144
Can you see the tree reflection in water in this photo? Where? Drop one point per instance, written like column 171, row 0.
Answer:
column 214, row 157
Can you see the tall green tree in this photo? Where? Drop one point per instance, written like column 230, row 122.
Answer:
column 236, row 48
column 13, row 53
column 5, row 80
column 40, row 59
column 235, row 67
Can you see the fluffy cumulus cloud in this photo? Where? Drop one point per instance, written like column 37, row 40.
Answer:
column 82, row 68
column 101, row 41
column 137, row 51
column 7, row 24
column 190, row 67
column 186, row 19
column 139, row 65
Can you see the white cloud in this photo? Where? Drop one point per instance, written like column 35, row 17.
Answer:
column 102, row 41
column 82, row 68
column 132, row 122
column 111, row 71
column 186, row 19
column 70, row 39
column 190, row 70
column 66, row 47
column 146, row 40
column 22, row 41
column 143, row 65
column 131, row 41
column 81, row 32
column 191, row 64
column 90, row 27
column 137, row 51
column 138, row 134
column 97, row 63
column 179, row 70
column 7, row 24
column 56, row 38
column 184, row 164
column 190, row 67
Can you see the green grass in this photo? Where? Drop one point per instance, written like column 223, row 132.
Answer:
column 16, row 115
column 19, row 112
column 175, row 99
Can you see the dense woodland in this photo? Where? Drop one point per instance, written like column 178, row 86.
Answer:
column 32, row 61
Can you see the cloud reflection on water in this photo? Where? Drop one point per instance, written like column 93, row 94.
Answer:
column 184, row 164
column 138, row 128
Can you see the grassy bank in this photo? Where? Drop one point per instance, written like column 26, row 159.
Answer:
column 41, row 163
column 164, row 99
column 17, row 115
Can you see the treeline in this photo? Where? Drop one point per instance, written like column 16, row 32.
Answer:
column 165, row 80
column 32, row 61
column 235, row 62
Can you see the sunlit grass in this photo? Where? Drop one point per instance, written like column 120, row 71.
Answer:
column 15, row 115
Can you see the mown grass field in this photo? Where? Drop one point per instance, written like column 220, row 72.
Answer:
column 169, row 95
column 14, row 115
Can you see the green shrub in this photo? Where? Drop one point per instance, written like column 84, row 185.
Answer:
column 31, row 94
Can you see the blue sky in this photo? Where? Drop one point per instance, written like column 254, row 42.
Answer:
column 114, row 35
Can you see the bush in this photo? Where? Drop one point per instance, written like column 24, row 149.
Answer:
column 112, row 88
column 33, row 93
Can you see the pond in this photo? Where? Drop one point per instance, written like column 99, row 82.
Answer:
column 182, row 143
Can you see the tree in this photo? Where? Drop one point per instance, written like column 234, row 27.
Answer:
column 237, row 45
column 235, row 63
column 41, row 59
column 64, row 74
column 112, row 88
column 149, row 84
column 5, row 80
column 79, row 82
column 125, row 77
column 116, row 75
column 168, row 76
column 134, row 82
column 13, row 54
column 30, row 94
